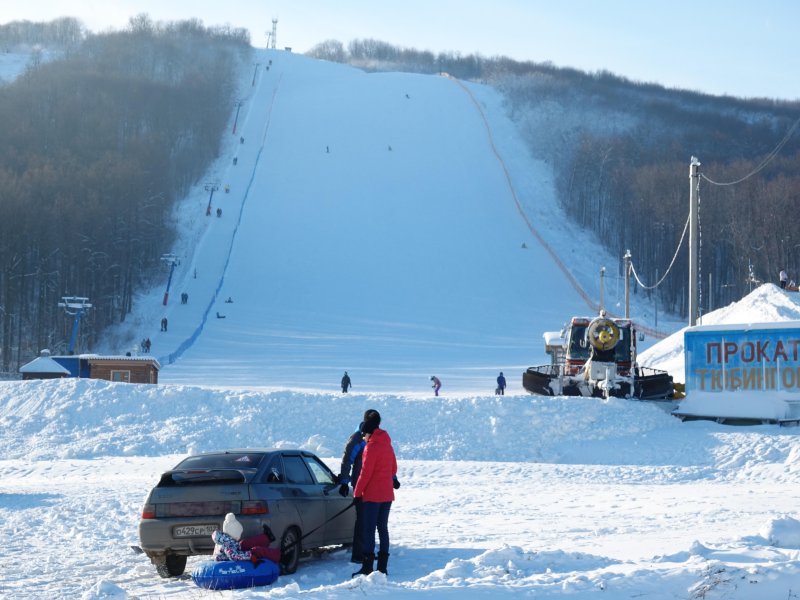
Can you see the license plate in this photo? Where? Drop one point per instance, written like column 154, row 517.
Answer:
column 193, row 530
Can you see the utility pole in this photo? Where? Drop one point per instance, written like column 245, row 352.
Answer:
column 627, row 274
column 655, row 301
column 694, row 193
column 710, row 291
column 602, row 286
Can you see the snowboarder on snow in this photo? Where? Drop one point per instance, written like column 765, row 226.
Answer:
column 501, row 385
column 229, row 547
column 436, row 385
column 346, row 382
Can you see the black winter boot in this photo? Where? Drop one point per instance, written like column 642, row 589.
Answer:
column 366, row 565
column 383, row 560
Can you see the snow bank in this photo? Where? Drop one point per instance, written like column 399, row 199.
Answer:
column 78, row 418
column 783, row 532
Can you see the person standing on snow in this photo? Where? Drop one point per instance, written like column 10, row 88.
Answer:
column 348, row 476
column 375, row 486
column 784, row 277
column 501, row 384
column 229, row 547
column 346, row 384
column 164, row 324
column 436, row 385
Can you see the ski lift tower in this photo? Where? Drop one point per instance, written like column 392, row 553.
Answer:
column 173, row 261
column 74, row 306
column 211, row 187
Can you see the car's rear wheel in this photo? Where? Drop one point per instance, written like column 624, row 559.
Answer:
column 290, row 550
column 172, row 565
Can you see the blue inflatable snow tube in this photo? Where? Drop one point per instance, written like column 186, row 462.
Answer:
column 234, row 574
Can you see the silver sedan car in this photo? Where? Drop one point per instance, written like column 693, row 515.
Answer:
column 291, row 491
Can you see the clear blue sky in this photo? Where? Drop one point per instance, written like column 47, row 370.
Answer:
column 737, row 47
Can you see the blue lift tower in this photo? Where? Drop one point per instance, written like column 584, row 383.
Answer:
column 74, row 306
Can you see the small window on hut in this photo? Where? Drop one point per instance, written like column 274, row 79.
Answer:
column 121, row 376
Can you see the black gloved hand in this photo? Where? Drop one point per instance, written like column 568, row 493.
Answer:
column 344, row 489
column 396, row 483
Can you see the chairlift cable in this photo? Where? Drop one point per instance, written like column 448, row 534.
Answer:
column 763, row 163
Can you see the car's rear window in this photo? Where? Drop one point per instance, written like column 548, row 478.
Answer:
column 249, row 460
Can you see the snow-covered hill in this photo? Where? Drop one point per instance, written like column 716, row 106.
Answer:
column 387, row 224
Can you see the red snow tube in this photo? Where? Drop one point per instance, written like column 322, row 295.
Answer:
column 234, row 574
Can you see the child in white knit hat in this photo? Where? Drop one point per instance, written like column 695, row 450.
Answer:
column 230, row 546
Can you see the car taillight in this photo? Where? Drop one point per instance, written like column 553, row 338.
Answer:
column 254, row 507
column 149, row 511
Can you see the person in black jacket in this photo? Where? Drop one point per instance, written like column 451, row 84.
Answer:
column 346, row 383
column 348, row 476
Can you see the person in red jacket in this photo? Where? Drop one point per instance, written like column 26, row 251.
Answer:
column 375, row 487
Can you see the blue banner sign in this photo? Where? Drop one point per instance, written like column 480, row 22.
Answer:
column 758, row 357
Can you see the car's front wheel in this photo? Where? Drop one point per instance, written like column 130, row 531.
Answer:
column 290, row 550
column 171, row 565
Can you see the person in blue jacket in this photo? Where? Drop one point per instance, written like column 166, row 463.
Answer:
column 348, row 475
column 501, row 385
